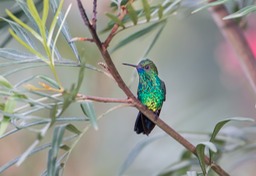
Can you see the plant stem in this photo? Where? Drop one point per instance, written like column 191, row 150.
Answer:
column 81, row 97
column 234, row 35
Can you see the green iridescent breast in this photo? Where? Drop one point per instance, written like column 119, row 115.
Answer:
column 151, row 91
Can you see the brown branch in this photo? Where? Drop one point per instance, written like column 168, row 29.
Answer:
column 81, row 97
column 234, row 35
column 94, row 18
column 161, row 124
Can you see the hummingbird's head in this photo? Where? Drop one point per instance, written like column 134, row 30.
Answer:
column 145, row 66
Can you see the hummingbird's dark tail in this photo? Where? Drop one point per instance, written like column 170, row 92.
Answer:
column 143, row 124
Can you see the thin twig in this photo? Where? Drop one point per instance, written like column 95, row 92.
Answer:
column 81, row 39
column 234, row 35
column 81, row 97
column 106, row 56
column 94, row 18
column 123, row 12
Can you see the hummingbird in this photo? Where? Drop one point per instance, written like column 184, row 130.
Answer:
column 151, row 93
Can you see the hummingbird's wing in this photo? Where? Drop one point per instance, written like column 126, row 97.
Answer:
column 163, row 87
column 143, row 124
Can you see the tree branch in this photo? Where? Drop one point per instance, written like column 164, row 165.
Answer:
column 161, row 124
column 234, row 35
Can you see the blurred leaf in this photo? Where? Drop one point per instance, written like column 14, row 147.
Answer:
column 23, row 5
column 49, row 80
column 244, row 11
column 136, row 35
column 73, row 129
column 53, row 114
column 200, row 150
column 35, row 150
column 4, row 82
column 20, row 32
column 65, row 28
column 25, row 26
column 207, row 5
column 186, row 155
column 13, row 54
column 210, row 146
column 65, row 147
column 156, row 37
column 136, row 151
column 54, row 22
column 52, row 165
column 28, row 47
column 191, row 173
column 177, row 169
column 60, row 28
column 160, row 11
column 115, row 19
column 9, row 106
column 132, row 13
column 70, row 96
column 34, row 13
column 88, row 110
column 146, row 8
column 45, row 11
column 220, row 124
column 200, row 155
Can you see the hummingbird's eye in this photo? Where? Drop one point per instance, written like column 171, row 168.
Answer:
column 147, row 67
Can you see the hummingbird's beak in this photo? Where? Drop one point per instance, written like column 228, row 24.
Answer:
column 130, row 65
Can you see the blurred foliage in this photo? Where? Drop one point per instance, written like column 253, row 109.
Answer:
column 19, row 106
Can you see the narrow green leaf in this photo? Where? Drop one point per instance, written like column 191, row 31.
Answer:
column 9, row 106
column 19, row 95
column 200, row 155
column 49, row 80
column 136, row 35
column 45, row 11
column 29, row 29
column 54, row 22
column 14, row 54
column 220, row 124
column 132, row 13
column 35, row 150
column 24, row 155
column 28, row 47
column 53, row 114
column 65, row 28
column 146, row 8
column 24, row 6
column 52, row 165
column 244, row 11
column 5, row 83
column 58, row 32
column 154, row 41
column 65, row 147
column 115, row 19
column 160, row 11
column 73, row 129
column 88, row 110
column 210, row 146
column 20, row 31
column 35, row 14
column 214, row 3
